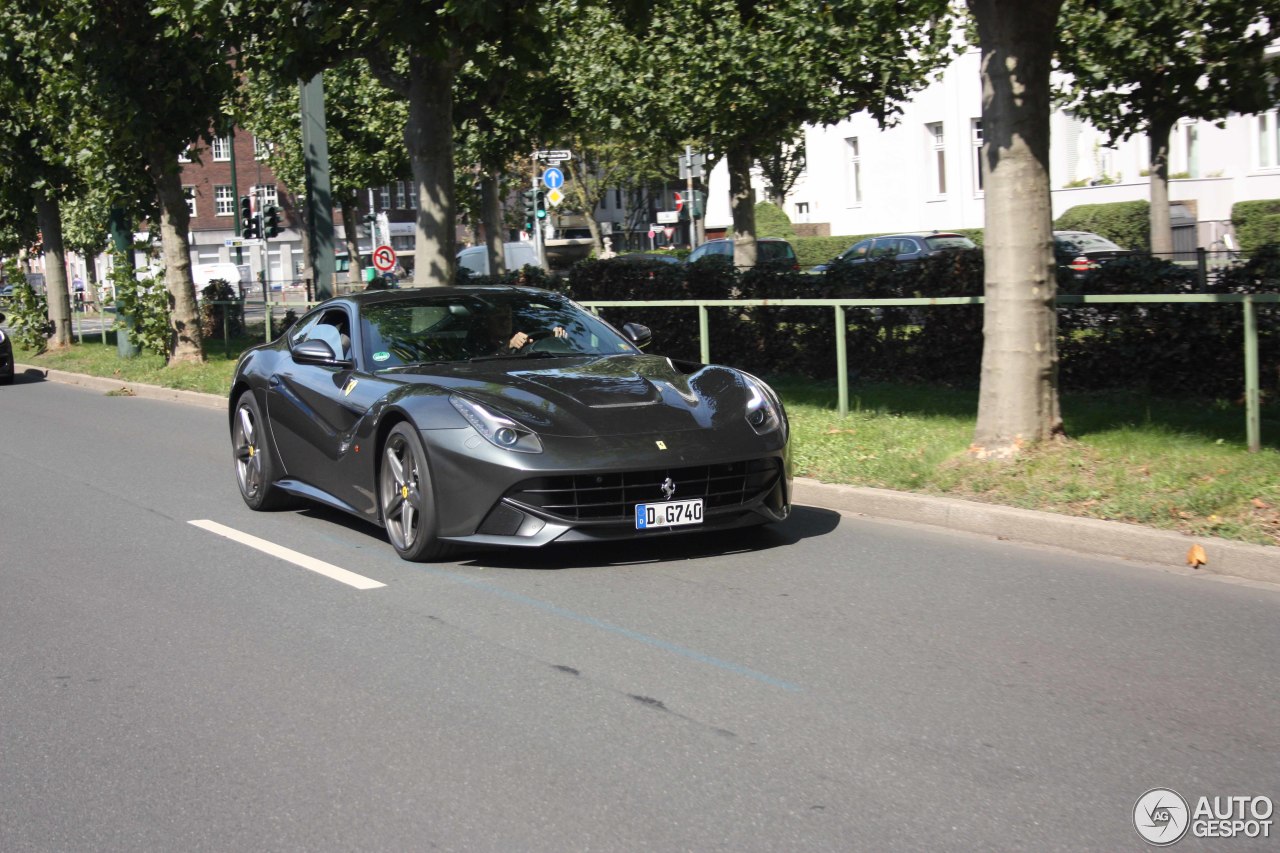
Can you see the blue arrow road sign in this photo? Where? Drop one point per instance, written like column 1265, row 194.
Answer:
column 553, row 178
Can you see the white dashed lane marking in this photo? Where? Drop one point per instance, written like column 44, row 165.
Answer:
column 298, row 559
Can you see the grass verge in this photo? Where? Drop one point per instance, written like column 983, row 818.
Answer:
column 1172, row 464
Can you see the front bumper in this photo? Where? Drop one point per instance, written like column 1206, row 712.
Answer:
column 482, row 491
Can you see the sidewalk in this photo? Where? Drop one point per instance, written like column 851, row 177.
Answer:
column 1086, row 536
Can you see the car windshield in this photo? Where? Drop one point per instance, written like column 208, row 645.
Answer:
column 1086, row 243
column 464, row 326
column 949, row 241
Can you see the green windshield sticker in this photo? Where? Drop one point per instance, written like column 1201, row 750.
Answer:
column 381, row 355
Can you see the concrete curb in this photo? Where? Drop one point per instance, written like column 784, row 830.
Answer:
column 1083, row 535
column 125, row 389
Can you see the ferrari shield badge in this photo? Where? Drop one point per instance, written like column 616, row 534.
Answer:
column 662, row 445
column 349, row 387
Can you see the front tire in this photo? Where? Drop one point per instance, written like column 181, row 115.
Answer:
column 406, row 497
column 255, row 469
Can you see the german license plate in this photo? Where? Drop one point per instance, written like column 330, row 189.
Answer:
column 669, row 513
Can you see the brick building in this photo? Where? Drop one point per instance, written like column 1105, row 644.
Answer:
column 213, row 198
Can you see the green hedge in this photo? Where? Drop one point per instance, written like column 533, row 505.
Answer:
column 1127, row 223
column 772, row 221
column 1256, row 222
column 820, row 250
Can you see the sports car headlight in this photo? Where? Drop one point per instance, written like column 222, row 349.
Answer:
column 763, row 412
column 500, row 430
column 1, row 336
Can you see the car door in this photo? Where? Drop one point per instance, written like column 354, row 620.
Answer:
column 314, row 408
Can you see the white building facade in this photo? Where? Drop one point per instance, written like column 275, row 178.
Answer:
column 923, row 172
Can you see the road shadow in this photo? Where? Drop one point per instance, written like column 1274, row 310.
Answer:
column 30, row 376
column 805, row 523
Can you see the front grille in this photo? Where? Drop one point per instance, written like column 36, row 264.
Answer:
column 612, row 497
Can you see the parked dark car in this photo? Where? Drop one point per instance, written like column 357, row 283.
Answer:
column 769, row 251
column 901, row 247
column 1083, row 251
column 6, row 357
column 424, row 412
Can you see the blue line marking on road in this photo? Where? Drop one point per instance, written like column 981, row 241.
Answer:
column 727, row 666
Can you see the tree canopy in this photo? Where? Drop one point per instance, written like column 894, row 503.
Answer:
column 1138, row 66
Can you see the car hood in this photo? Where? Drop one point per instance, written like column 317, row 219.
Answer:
column 600, row 395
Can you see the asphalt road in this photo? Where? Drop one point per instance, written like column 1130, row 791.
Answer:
column 832, row 684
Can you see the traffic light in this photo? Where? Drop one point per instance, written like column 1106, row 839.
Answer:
column 271, row 221
column 540, row 204
column 530, row 209
column 248, row 222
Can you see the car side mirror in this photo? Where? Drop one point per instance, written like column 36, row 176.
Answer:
column 318, row 352
column 639, row 335
column 1, row 318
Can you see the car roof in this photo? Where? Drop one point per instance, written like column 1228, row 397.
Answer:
column 920, row 234
column 758, row 240
column 407, row 294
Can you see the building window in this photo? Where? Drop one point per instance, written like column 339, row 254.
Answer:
column 384, row 196
column 976, row 132
column 1268, row 130
column 617, row 199
column 224, row 200
column 853, row 171
column 266, row 194
column 261, row 149
column 221, row 148
column 399, row 190
column 1190, row 139
column 190, row 193
column 937, row 143
column 185, row 156
column 410, row 197
column 802, row 211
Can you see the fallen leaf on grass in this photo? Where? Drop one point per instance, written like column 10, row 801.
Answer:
column 838, row 431
column 1261, row 504
column 1196, row 557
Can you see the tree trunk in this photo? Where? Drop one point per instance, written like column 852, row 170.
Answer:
column 429, row 139
column 491, row 214
column 742, row 204
column 187, row 344
column 49, row 217
column 1161, row 229
column 1018, row 400
column 351, row 240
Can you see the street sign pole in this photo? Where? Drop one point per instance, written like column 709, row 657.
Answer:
column 537, row 226
column 693, row 208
